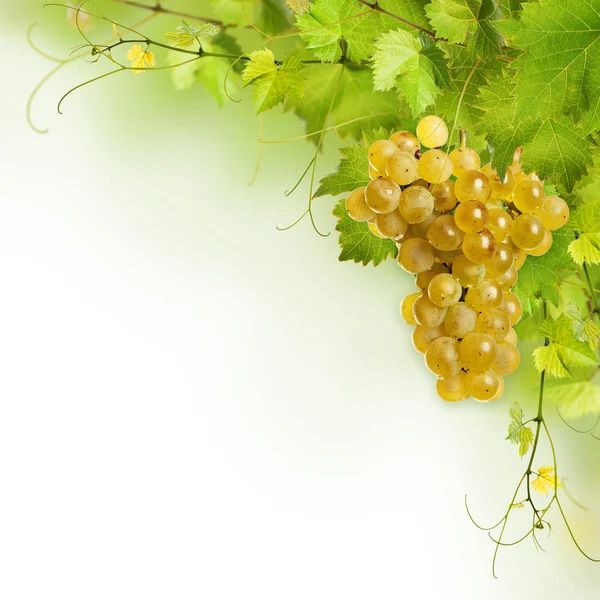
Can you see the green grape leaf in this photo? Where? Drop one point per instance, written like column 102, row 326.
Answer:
column 231, row 12
column 585, row 328
column 559, row 70
column 585, row 222
column 357, row 241
column 273, row 83
column 540, row 276
column 274, row 16
column 416, row 66
column 186, row 35
column 471, row 21
column 518, row 432
column 564, row 350
column 576, row 397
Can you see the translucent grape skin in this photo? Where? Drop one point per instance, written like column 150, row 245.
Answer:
column 471, row 216
column 544, row 246
column 464, row 159
column 554, row 213
column 486, row 295
column 432, row 132
column 382, row 195
column 406, row 308
column 406, row 141
column 373, row 229
column 499, row 223
column 441, row 357
column 444, row 290
column 379, row 152
column 423, row 279
column 423, row 336
column 483, row 386
column 435, row 166
column 494, row 323
column 508, row 279
column 500, row 391
column 511, row 306
column 472, row 185
column 467, row 273
column 529, row 196
column 444, row 196
column 454, row 388
column 507, row 358
column 357, row 207
column 460, row 320
column 501, row 261
column 479, row 247
column 528, row 232
column 374, row 173
column 477, row 351
column 402, row 168
column 415, row 255
column 426, row 313
column 512, row 337
column 416, row 204
column 444, row 233
column 520, row 257
column 392, row 225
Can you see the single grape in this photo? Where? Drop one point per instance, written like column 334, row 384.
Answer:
column 406, row 308
column 501, row 261
column 460, row 320
column 464, row 159
column 520, row 256
column 426, row 313
column 443, row 193
column 425, row 277
column 529, row 196
column 507, row 358
column 357, row 207
column 501, row 188
column 379, row 152
column 373, row 229
column 467, row 273
column 479, row 247
column 477, row 351
column 374, row 173
column 435, row 166
column 416, row 204
column 441, row 357
column 499, row 223
column 512, row 337
column 415, row 255
column 508, row 279
column 444, row 234
column 554, row 213
column 472, row 185
column 527, row 232
column 483, row 386
column 382, row 195
column 453, row 389
column 421, row 229
column 544, row 246
column 444, row 290
column 402, row 167
column 392, row 225
column 471, row 216
column 494, row 323
column 423, row 336
column 485, row 296
column 500, row 391
column 406, row 141
column 432, row 132
column 511, row 305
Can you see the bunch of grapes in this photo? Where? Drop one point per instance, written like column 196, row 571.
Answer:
column 464, row 231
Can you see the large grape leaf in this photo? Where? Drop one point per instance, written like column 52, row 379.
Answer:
column 585, row 222
column 559, row 70
column 578, row 396
column 270, row 16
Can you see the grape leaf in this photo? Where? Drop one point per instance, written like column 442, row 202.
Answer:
column 416, row 66
column 518, row 432
column 559, row 70
column 585, row 328
column 540, row 278
column 545, row 481
column 273, row 16
column 585, row 222
column 357, row 241
column 576, row 397
column 186, row 35
column 270, row 16
column 273, row 83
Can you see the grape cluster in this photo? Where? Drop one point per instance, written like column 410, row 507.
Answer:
column 464, row 231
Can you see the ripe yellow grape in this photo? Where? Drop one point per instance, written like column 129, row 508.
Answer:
column 432, row 132
column 441, row 357
column 544, row 246
column 444, row 233
column 520, row 257
column 423, row 336
column 444, row 290
column 402, row 167
column 421, row 229
column 494, row 323
column 477, row 351
column 379, row 152
column 443, row 193
column 426, row 313
column 406, row 141
column 501, row 261
column 500, row 391
column 406, row 308
column 483, row 386
column 471, row 216
column 507, row 358
column 374, row 173
column 479, row 247
column 423, row 279
column 512, row 337
column 357, row 207
column 508, row 279
column 373, row 229
column 554, row 213
column 464, row 159
column 460, row 320
column 529, row 196
column 453, row 389
column 416, row 204
column 499, row 223
column 392, row 225
column 435, row 166
column 485, row 295
column 382, row 195
column 472, row 185
column 527, row 232
column 467, row 273
column 501, row 188
column 415, row 255
column 511, row 305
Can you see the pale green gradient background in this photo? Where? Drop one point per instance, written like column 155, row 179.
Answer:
column 195, row 405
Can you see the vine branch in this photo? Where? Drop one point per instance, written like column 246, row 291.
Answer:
column 375, row 7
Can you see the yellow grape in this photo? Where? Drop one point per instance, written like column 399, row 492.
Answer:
column 379, row 152
column 373, row 229
column 501, row 188
column 441, row 357
column 485, row 295
column 527, row 232
column 392, row 225
column 464, row 159
column 421, row 229
column 467, row 273
column 477, row 351
column 472, row 185
column 520, row 257
column 444, row 234
column 406, row 141
column 544, row 246
column 494, row 323
column 483, row 386
column 432, row 132
column 416, row 204
column 507, row 358
column 512, row 337
column 406, row 308
column 460, row 320
column 529, row 196
column 453, row 389
column 415, row 255
column 426, row 313
column 435, row 166
column 423, row 336
column 443, row 193
column 423, row 279
column 554, row 213
column 444, row 290
column 374, row 173
column 508, row 279
column 357, row 207
column 500, row 391
column 479, row 247
column 511, row 305
column 471, row 216
column 402, row 167
column 382, row 195
column 499, row 223
column 501, row 261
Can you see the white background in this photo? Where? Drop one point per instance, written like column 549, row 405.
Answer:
column 195, row 405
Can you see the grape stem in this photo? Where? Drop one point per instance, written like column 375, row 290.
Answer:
column 375, row 6
column 591, row 288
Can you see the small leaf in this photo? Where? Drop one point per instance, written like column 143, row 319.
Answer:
column 545, row 481
column 518, row 432
column 140, row 59
column 185, row 35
